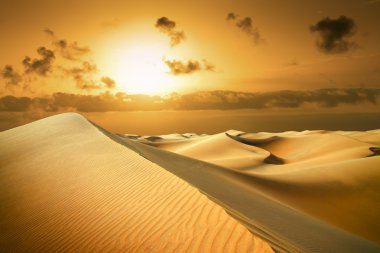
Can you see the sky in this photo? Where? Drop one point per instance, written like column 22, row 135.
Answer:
column 120, row 55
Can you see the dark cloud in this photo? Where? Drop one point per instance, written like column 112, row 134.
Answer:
column 246, row 25
column 231, row 16
column 40, row 66
column 189, row 67
column 80, row 70
column 11, row 76
column 181, row 68
column 70, row 51
column 165, row 23
column 108, row 82
column 168, row 26
column 334, row 33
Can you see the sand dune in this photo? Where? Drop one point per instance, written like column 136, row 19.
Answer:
column 66, row 187
column 332, row 177
column 69, row 185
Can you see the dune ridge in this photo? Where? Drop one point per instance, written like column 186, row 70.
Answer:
column 66, row 187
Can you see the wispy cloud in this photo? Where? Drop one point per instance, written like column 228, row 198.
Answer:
column 68, row 50
column 12, row 77
column 246, row 25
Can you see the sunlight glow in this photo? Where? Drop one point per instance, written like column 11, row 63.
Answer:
column 140, row 69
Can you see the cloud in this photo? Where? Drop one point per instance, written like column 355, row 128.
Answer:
column 88, row 84
column 221, row 100
column 208, row 66
column 231, row 16
column 109, row 82
column 168, row 26
column 88, row 103
column 87, row 67
column 246, row 25
column 13, row 78
column 14, row 104
column 333, row 34
column 40, row 66
column 83, row 76
column 49, row 65
column 61, row 101
column 70, row 51
column 278, row 99
column 49, row 32
column 182, row 68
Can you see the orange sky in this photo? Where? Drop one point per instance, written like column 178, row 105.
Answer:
column 127, row 47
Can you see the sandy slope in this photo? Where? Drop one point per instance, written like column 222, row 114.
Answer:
column 67, row 187
column 333, row 177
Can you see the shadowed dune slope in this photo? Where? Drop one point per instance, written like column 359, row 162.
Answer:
column 66, row 187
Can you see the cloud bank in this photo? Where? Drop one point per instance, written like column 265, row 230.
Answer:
column 222, row 100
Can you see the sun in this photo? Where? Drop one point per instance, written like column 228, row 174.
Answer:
column 139, row 69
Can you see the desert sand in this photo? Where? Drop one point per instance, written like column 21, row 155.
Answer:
column 68, row 185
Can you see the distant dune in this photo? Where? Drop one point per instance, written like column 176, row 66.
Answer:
column 68, row 185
